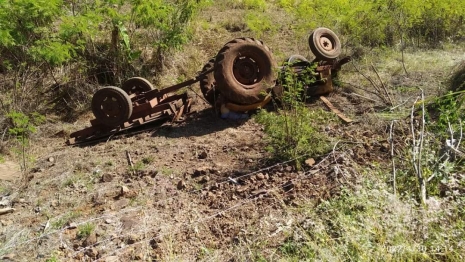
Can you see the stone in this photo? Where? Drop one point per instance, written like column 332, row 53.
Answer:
column 132, row 238
column 92, row 252
column 72, row 225
column 120, row 204
column 124, row 190
column 181, row 185
column 111, row 259
column 200, row 172
column 51, row 159
column 128, row 222
column 139, row 256
column 310, row 162
column 203, row 155
column 10, row 256
column 260, row 176
column 90, row 240
column 107, row 177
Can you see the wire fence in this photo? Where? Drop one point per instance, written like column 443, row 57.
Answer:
column 13, row 243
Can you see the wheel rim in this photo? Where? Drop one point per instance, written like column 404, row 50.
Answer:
column 326, row 43
column 137, row 85
column 110, row 107
column 246, row 71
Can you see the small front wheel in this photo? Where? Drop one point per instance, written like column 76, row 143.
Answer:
column 325, row 44
column 136, row 85
column 111, row 106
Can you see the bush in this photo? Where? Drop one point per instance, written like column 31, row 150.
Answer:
column 293, row 130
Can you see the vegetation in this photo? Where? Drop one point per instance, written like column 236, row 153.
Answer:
column 292, row 129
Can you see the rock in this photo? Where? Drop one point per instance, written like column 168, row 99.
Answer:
column 200, row 172
column 120, row 204
column 139, row 256
column 10, row 256
column 181, row 184
column 203, row 155
column 111, row 259
column 124, row 190
column 310, row 162
column 108, row 221
column 107, row 177
column 6, row 222
column 205, row 179
column 54, row 203
column 128, row 222
column 132, row 238
column 260, row 176
column 90, row 240
column 51, row 159
column 71, row 225
column 288, row 186
column 92, row 252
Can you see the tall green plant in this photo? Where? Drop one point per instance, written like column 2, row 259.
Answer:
column 292, row 130
column 22, row 126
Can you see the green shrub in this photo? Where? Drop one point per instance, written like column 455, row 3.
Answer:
column 293, row 131
column 85, row 230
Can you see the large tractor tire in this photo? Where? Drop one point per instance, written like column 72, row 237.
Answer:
column 111, row 106
column 325, row 44
column 208, row 84
column 245, row 71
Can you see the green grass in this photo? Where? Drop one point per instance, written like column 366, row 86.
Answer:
column 85, row 230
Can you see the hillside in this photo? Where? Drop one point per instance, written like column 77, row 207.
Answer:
column 210, row 189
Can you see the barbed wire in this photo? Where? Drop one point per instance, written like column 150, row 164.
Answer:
column 227, row 180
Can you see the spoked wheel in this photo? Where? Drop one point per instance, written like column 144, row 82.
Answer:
column 136, row 85
column 245, row 71
column 111, row 106
column 208, row 83
column 325, row 44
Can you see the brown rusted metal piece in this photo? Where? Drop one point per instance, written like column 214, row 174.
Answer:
column 146, row 107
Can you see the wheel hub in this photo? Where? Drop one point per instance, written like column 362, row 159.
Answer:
column 246, row 71
column 326, row 43
column 110, row 107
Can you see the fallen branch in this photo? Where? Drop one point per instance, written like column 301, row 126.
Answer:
column 130, row 163
column 7, row 210
column 391, row 140
column 382, row 85
column 335, row 110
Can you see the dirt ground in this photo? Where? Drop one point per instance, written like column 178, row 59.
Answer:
column 203, row 189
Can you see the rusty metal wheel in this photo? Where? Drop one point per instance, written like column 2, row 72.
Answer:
column 111, row 106
column 136, row 85
column 245, row 71
column 325, row 44
column 207, row 83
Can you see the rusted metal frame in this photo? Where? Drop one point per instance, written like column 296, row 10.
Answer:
column 158, row 93
column 147, row 110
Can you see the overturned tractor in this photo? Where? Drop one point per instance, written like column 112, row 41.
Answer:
column 243, row 76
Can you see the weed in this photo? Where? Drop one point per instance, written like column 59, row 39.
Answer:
column 22, row 127
column 292, row 131
column 85, row 230
column 148, row 160
column 63, row 220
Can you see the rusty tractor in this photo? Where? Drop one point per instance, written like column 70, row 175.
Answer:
column 243, row 76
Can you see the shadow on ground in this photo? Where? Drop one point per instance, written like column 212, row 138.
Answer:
column 198, row 124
